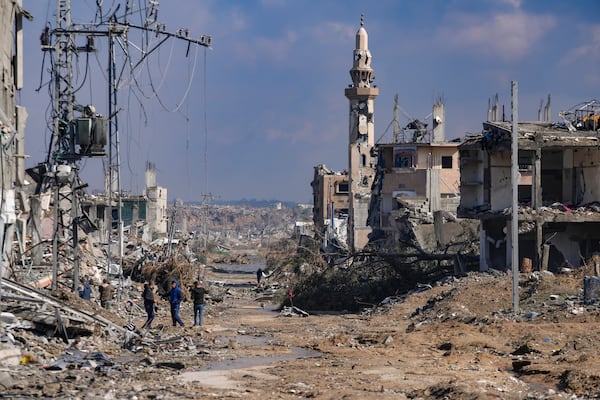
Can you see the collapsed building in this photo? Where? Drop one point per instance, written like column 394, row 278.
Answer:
column 143, row 216
column 558, row 188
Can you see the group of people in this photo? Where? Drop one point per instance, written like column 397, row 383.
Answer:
column 105, row 289
column 175, row 297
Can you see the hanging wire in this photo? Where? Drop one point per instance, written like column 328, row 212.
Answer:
column 187, row 90
column 205, row 126
column 187, row 144
column 87, row 65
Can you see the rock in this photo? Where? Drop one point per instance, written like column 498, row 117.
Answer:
column 577, row 310
column 530, row 315
column 52, row 389
column 10, row 356
column 148, row 361
column 6, row 380
column 8, row 318
column 388, row 340
column 171, row 365
column 8, row 338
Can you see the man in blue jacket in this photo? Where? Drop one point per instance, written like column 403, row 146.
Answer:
column 86, row 292
column 175, row 299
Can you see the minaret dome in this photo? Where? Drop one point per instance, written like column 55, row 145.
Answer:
column 361, row 72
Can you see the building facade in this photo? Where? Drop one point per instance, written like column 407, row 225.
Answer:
column 421, row 176
column 14, row 203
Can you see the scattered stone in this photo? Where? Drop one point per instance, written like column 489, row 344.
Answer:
column 9, row 356
column 171, row 365
column 6, row 380
column 530, row 315
column 8, row 318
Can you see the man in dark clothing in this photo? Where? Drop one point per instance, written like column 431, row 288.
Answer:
column 175, row 298
column 198, row 293
column 259, row 275
column 148, row 296
column 106, row 294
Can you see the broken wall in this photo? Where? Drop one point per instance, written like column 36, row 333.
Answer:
column 586, row 171
column 471, row 178
column 329, row 187
column 157, row 210
column 577, row 242
column 500, row 180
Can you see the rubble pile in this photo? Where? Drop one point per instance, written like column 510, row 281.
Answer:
column 62, row 346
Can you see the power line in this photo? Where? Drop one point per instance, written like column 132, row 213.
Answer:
column 69, row 132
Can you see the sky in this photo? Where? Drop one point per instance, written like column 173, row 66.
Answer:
column 251, row 116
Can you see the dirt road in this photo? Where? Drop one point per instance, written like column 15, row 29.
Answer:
column 455, row 340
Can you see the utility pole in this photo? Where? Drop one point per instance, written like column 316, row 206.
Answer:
column 61, row 164
column 206, row 199
column 396, row 121
column 90, row 132
column 514, row 224
column 171, row 229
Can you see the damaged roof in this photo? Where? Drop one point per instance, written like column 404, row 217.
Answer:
column 497, row 134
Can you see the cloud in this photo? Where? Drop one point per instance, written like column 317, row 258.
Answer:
column 301, row 134
column 332, row 31
column 513, row 3
column 507, row 36
column 262, row 49
column 589, row 50
column 237, row 21
column 277, row 48
column 272, row 3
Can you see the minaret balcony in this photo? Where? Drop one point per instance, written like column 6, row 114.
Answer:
column 360, row 91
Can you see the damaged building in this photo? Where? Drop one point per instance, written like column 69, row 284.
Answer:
column 415, row 180
column 361, row 95
column 391, row 190
column 343, row 198
column 558, row 188
column 143, row 216
column 330, row 210
column 14, row 205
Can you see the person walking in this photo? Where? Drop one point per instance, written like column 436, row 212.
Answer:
column 149, row 304
column 106, row 294
column 198, row 292
column 175, row 298
column 259, row 275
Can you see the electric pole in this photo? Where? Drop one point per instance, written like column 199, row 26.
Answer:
column 90, row 131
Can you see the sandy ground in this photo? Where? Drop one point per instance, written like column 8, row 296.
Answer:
column 457, row 340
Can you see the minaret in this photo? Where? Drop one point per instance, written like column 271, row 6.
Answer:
column 362, row 132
